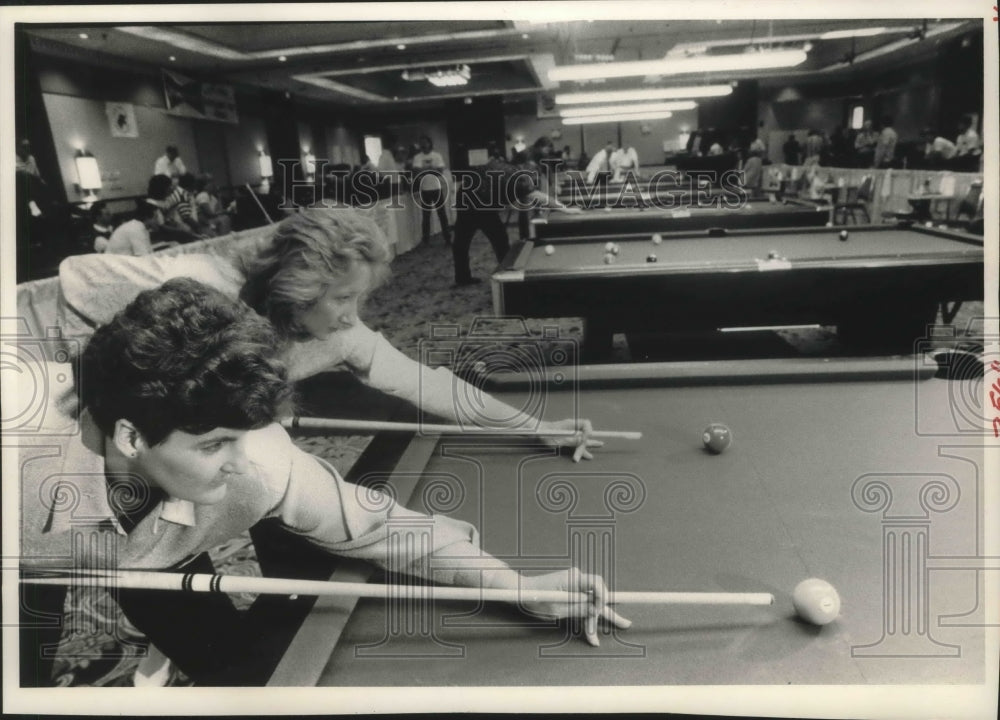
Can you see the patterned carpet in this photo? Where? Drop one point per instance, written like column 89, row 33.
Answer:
column 100, row 647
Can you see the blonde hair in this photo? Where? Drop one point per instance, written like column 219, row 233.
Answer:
column 308, row 253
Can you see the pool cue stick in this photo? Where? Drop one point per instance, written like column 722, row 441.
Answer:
column 385, row 426
column 254, row 196
column 203, row 582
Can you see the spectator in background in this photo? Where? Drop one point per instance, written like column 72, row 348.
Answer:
column 209, row 207
column 792, row 150
column 864, row 145
column 174, row 207
column 753, row 172
column 600, row 163
column 26, row 161
column 967, row 146
column 885, row 148
column 429, row 164
column 938, row 151
column 132, row 237
column 814, row 145
column 841, row 147
column 102, row 224
column 758, row 146
column 170, row 164
column 715, row 149
column 625, row 161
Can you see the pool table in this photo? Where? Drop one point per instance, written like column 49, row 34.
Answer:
column 621, row 222
column 665, row 193
column 829, row 460
column 880, row 286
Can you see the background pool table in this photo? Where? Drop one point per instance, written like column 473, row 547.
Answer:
column 621, row 223
column 880, row 287
column 819, row 447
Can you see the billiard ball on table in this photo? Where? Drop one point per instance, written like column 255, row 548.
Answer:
column 609, row 246
column 608, row 258
column 816, row 601
column 717, row 437
column 549, row 249
column 657, row 238
column 843, row 235
column 615, row 249
column 651, row 258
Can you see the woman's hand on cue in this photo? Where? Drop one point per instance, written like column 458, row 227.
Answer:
column 591, row 610
column 581, row 440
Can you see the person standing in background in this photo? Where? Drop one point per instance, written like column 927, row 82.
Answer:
column 429, row 165
column 967, row 145
column 885, row 148
column 864, row 145
column 792, row 150
column 600, row 163
column 625, row 161
column 26, row 161
column 170, row 164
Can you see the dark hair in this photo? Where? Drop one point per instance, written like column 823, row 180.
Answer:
column 187, row 181
column 309, row 252
column 144, row 209
column 159, row 187
column 184, row 356
column 96, row 209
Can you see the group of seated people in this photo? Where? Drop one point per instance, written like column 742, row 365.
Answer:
column 195, row 443
column 168, row 214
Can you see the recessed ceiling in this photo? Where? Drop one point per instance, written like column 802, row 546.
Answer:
column 363, row 62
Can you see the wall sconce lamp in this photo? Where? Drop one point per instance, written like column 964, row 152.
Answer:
column 266, row 169
column 89, row 174
column 308, row 165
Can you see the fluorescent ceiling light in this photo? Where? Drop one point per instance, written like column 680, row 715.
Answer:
column 622, row 109
column 617, row 117
column 449, row 77
column 857, row 32
column 680, row 66
column 643, row 94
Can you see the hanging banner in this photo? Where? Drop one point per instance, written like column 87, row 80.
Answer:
column 200, row 100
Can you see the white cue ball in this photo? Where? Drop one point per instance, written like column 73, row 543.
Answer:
column 549, row 249
column 816, row 601
column 657, row 239
column 609, row 246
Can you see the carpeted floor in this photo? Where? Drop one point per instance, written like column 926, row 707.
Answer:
column 101, row 648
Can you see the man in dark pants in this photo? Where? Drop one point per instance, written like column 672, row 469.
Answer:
column 482, row 193
column 175, row 451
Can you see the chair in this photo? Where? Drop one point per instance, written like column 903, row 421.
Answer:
column 855, row 202
column 972, row 207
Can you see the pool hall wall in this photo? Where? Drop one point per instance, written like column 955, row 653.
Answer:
column 70, row 87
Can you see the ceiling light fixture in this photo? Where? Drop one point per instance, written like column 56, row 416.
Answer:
column 623, row 109
column 643, row 94
column 617, row 117
column 282, row 58
column 450, row 76
column 679, row 66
